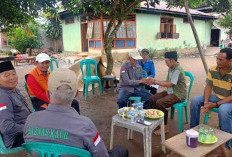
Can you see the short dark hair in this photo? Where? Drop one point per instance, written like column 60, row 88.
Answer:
column 145, row 51
column 228, row 52
column 171, row 55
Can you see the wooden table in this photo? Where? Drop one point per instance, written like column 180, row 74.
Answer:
column 30, row 60
column 178, row 144
column 145, row 130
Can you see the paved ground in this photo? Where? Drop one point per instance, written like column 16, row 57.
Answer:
column 101, row 109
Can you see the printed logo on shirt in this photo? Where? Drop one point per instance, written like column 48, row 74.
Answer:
column 3, row 107
column 96, row 139
column 123, row 70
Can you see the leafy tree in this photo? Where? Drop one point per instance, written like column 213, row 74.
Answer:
column 15, row 13
column 227, row 22
column 27, row 37
column 53, row 27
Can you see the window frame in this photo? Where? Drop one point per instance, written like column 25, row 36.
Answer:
column 169, row 24
column 93, row 35
column 115, row 38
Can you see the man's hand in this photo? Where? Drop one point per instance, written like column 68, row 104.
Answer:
column 150, row 81
column 147, row 81
column 208, row 106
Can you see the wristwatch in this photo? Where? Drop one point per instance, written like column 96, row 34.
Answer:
column 217, row 105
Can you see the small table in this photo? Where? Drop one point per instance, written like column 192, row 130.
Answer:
column 28, row 60
column 110, row 78
column 178, row 144
column 145, row 130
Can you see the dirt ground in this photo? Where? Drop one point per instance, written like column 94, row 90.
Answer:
column 101, row 109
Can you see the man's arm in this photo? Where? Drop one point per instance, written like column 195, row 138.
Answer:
column 37, row 90
column 152, row 70
column 7, row 123
column 164, row 83
column 207, row 93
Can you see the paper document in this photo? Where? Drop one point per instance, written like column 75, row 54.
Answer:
column 155, row 86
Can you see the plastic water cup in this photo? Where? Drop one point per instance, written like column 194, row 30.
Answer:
column 135, row 106
column 142, row 113
column 140, row 106
column 210, row 133
column 132, row 117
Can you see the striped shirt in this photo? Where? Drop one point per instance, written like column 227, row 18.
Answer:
column 222, row 85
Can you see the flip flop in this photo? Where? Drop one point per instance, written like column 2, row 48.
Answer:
column 158, row 132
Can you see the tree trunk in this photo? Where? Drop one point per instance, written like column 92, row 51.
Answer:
column 195, row 36
column 110, row 61
column 54, row 46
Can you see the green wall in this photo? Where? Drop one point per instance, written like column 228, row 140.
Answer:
column 72, row 36
column 148, row 26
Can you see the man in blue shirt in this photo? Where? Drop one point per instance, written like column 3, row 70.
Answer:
column 148, row 67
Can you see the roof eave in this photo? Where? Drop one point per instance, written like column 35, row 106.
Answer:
column 179, row 14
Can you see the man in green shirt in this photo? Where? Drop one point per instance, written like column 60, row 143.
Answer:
column 176, row 88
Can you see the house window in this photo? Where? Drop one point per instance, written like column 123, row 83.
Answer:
column 131, row 31
column 121, row 33
column 69, row 20
column 167, row 28
column 98, row 43
column 89, row 33
column 130, row 43
column 97, row 29
column 125, row 37
column 185, row 20
column 91, row 44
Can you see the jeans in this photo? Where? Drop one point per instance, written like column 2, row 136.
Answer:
column 123, row 96
column 224, row 112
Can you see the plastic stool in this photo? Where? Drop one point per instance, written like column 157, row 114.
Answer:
column 111, row 79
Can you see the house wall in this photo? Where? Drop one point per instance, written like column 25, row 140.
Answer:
column 149, row 25
column 72, row 36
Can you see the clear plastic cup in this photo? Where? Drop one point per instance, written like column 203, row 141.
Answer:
column 140, row 106
column 135, row 106
column 132, row 117
column 142, row 113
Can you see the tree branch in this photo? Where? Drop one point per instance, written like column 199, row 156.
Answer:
column 121, row 8
column 132, row 6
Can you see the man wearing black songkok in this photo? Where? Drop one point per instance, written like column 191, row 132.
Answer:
column 176, row 87
column 13, row 107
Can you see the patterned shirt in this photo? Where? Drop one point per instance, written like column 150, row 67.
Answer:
column 222, row 85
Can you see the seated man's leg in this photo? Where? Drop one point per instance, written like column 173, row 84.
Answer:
column 225, row 122
column 75, row 105
column 145, row 96
column 118, row 151
column 123, row 96
column 195, row 108
column 167, row 101
column 155, row 97
column 38, row 104
column 18, row 141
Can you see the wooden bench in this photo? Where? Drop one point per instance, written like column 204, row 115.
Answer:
column 30, row 60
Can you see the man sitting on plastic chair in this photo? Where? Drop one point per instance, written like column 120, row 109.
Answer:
column 131, row 78
column 61, row 124
column 176, row 88
column 13, row 107
column 219, row 81
column 37, row 84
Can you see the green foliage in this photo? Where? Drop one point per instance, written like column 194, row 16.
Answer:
column 15, row 13
column 53, row 27
column 226, row 22
column 152, row 53
column 23, row 38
